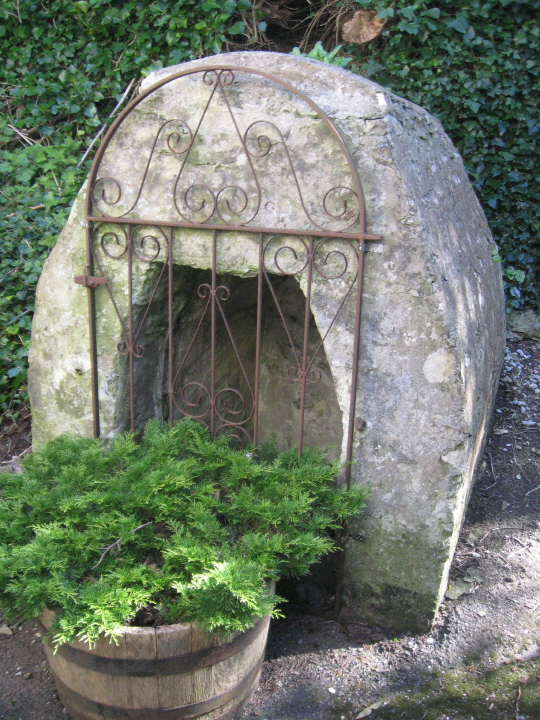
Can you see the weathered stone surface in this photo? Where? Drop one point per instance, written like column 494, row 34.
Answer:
column 432, row 330
column 523, row 325
column 59, row 375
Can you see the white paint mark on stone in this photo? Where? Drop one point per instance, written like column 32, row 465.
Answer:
column 439, row 367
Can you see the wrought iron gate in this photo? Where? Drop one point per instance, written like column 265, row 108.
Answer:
column 317, row 240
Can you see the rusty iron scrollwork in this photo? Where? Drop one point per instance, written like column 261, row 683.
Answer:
column 318, row 239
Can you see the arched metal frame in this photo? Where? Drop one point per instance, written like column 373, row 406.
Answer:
column 311, row 239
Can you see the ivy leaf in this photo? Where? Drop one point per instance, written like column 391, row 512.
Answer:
column 474, row 106
column 407, row 12
column 460, row 24
column 237, row 28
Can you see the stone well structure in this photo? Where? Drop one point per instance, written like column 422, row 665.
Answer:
column 431, row 336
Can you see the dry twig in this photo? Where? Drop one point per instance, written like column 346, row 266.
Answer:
column 23, row 135
column 516, row 462
column 492, row 472
column 103, row 127
column 16, row 457
column 117, row 544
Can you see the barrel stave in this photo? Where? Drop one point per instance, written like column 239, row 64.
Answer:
column 221, row 679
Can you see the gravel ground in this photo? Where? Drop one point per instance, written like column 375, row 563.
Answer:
column 479, row 661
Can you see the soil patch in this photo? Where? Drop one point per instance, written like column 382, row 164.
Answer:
column 15, row 439
column 482, row 658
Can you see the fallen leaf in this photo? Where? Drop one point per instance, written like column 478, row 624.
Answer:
column 459, row 587
column 367, row 711
column 364, row 713
column 364, row 26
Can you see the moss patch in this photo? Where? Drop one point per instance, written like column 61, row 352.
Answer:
column 508, row 691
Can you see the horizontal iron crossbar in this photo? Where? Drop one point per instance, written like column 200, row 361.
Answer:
column 235, row 228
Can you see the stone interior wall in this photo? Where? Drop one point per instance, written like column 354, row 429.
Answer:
column 279, row 399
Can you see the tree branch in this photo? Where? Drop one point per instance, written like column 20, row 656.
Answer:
column 116, row 544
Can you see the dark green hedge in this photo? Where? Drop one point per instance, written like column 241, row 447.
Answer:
column 64, row 67
column 476, row 66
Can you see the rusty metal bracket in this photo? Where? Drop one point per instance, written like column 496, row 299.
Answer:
column 90, row 280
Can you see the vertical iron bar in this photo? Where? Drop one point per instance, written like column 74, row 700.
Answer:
column 171, row 346
column 256, row 384
column 131, row 349
column 305, row 348
column 340, row 570
column 340, row 540
column 355, row 356
column 93, row 335
column 213, row 337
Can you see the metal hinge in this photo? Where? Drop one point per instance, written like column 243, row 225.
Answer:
column 90, row 280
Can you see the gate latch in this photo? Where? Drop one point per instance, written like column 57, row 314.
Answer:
column 90, row 280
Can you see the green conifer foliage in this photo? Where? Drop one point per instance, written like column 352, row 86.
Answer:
column 181, row 525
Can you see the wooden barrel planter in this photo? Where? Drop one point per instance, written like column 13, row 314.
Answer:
column 166, row 673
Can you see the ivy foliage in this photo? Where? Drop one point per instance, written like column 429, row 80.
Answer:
column 180, row 525
column 65, row 65
column 475, row 64
column 319, row 53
